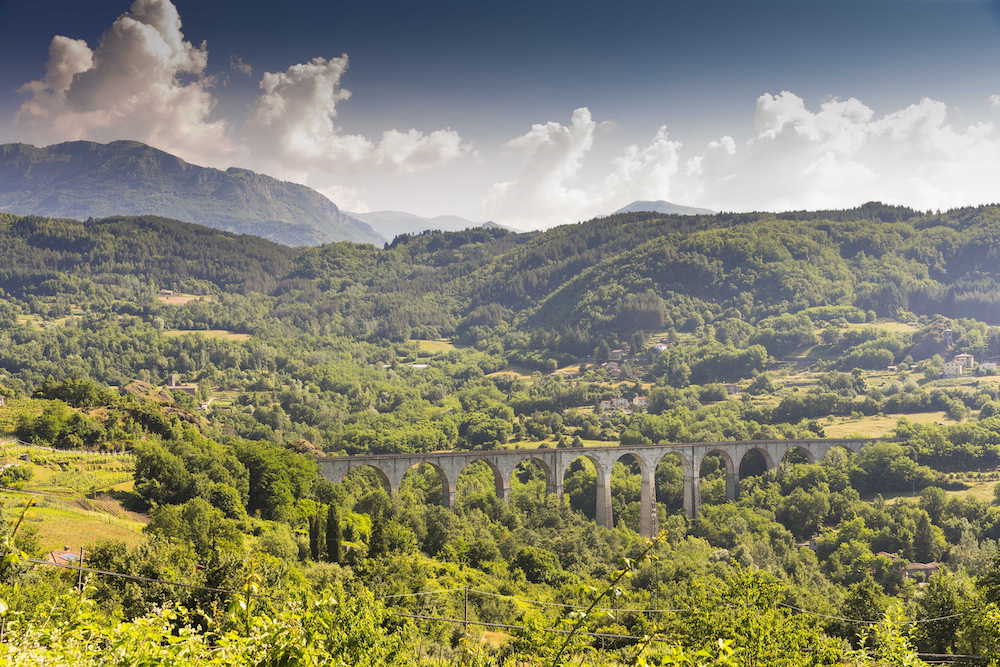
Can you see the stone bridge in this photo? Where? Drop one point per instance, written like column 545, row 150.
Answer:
column 765, row 454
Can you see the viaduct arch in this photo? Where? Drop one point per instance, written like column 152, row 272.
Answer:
column 449, row 465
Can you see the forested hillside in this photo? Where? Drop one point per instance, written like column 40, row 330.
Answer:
column 167, row 388
column 83, row 179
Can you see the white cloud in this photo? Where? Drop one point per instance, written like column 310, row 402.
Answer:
column 294, row 121
column 545, row 189
column 841, row 154
column 346, row 197
column 844, row 154
column 143, row 81
column 995, row 100
column 549, row 189
column 413, row 150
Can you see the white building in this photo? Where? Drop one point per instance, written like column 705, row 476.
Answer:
column 967, row 360
column 614, row 404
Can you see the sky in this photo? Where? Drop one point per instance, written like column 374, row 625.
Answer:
column 531, row 114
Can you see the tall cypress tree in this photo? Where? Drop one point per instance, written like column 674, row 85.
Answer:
column 333, row 548
column 314, row 536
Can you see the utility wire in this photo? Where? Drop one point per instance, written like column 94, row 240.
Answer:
column 422, row 593
column 610, row 635
column 575, row 606
column 151, row 580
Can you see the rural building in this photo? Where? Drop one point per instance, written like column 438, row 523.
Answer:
column 952, row 369
column 640, row 402
column 614, row 404
column 989, row 366
column 616, row 355
column 176, row 385
column 967, row 360
column 731, row 388
column 661, row 347
column 3, row 401
column 922, row 571
column 613, row 369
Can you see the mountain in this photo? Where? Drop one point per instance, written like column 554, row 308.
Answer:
column 391, row 224
column 82, row 179
column 665, row 207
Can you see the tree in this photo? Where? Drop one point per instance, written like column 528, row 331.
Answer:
column 333, row 535
column 928, row 540
column 943, row 599
column 314, row 536
column 160, row 476
column 865, row 601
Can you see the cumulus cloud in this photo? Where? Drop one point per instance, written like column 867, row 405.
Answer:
column 545, row 188
column 143, row 81
column 146, row 81
column 294, row 121
column 549, row 189
column 844, row 153
column 840, row 154
column 995, row 100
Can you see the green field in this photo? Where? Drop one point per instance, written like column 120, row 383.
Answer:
column 70, row 495
column 877, row 426
column 181, row 298
column 887, row 326
column 215, row 334
column 40, row 323
column 432, row 347
column 74, row 523
column 16, row 408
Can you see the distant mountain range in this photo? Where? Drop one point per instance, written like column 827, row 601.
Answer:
column 665, row 207
column 82, row 179
column 391, row 224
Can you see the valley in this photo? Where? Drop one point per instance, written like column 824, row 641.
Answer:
column 169, row 392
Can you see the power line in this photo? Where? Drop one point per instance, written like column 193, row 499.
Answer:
column 421, row 593
column 150, row 580
column 611, row 635
column 543, row 603
column 510, row 626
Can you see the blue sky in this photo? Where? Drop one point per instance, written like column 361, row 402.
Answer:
column 482, row 74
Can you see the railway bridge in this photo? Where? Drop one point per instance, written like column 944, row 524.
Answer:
column 766, row 454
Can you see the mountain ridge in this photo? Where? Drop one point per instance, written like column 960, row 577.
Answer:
column 83, row 179
column 662, row 206
column 390, row 223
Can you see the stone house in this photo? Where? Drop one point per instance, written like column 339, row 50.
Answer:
column 952, row 369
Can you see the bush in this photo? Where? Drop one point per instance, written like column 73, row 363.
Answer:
column 540, row 566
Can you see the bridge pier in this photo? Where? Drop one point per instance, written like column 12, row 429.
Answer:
column 649, row 518
column 692, row 494
column 604, row 511
column 732, row 485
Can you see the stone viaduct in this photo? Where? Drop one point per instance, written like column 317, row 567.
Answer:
column 766, row 454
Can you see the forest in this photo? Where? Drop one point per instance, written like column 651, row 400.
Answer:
column 170, row 388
